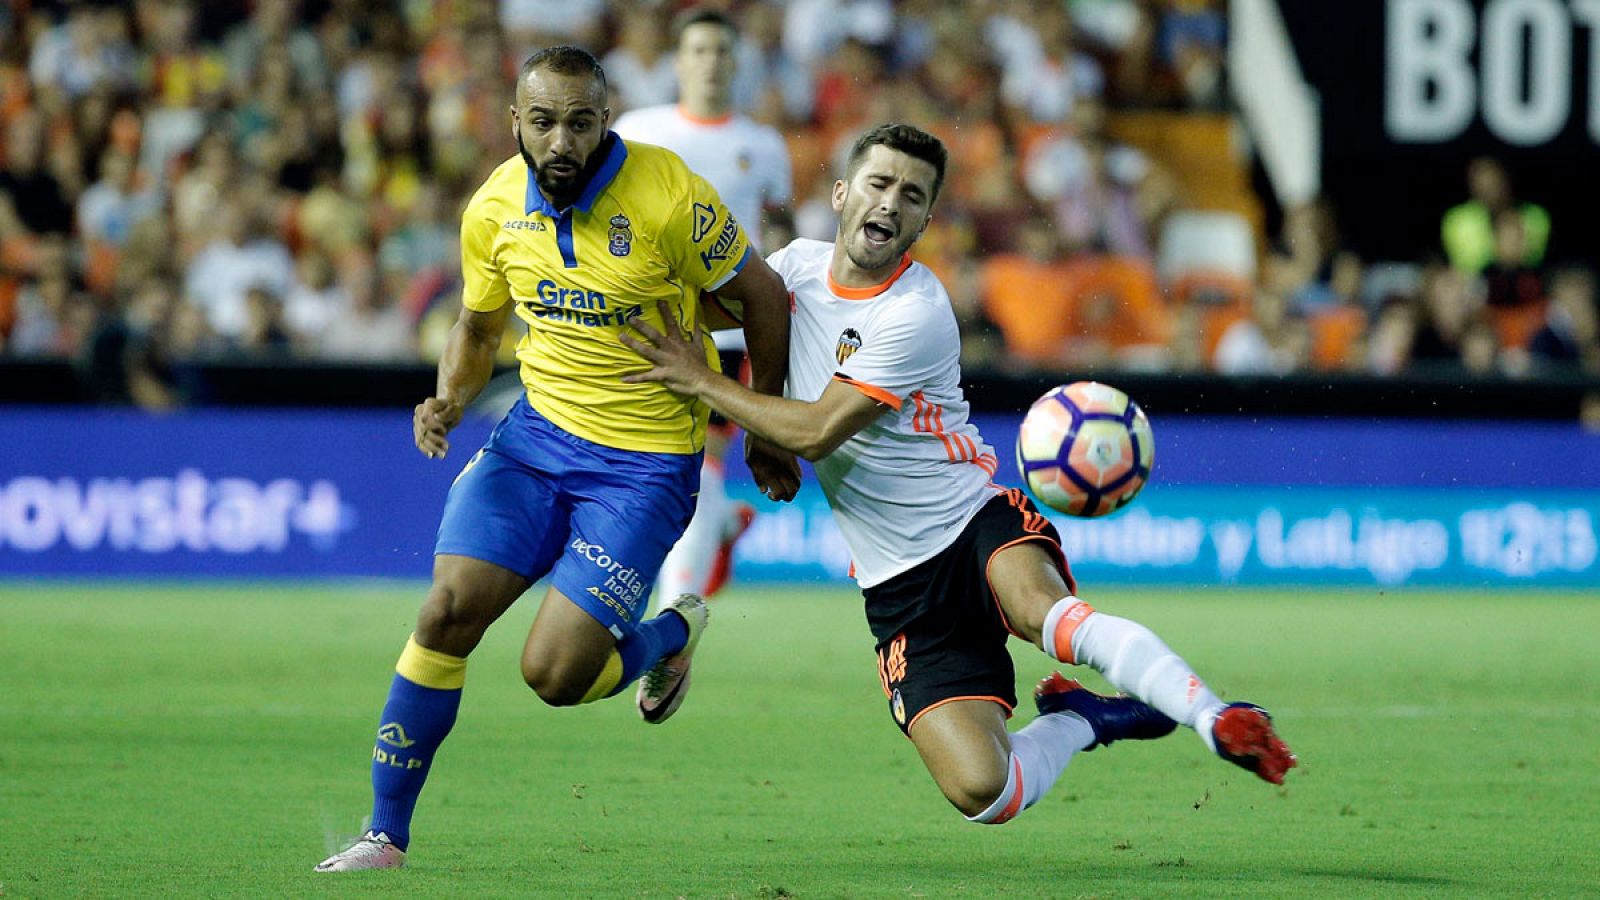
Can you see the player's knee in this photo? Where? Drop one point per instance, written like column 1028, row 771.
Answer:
column 974, row 793
column 551, row 685
column 449, row 618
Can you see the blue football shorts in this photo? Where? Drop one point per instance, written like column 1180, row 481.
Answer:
column 599, row 521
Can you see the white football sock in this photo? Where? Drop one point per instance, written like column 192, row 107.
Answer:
column 1132, row 658
column 1040, row 752
column 687, row 568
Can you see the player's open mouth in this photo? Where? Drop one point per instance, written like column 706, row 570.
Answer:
column 877, row 234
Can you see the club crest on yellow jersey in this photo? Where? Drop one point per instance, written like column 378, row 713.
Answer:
column 620, row 235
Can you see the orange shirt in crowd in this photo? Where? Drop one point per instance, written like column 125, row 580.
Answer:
column 1335, row 334
column 1028, row 300
column 1047, row 309
column 1118, row 299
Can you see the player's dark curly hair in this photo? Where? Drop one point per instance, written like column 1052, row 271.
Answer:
column 907, row 139
column 564, row 60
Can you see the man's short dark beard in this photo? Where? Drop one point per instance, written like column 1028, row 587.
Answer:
column 566, row 197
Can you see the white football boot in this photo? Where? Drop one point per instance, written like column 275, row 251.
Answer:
column 662, row 689
column 373, row 851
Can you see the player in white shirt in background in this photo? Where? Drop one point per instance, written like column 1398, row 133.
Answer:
column 950, row 563
column 748, row 163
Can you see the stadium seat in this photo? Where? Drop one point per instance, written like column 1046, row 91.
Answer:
column 1206, row 242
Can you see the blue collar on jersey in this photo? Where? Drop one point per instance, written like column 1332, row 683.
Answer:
column 599, row 181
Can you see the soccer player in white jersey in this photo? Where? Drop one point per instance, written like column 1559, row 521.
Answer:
column 949, row 562
column 748, row 163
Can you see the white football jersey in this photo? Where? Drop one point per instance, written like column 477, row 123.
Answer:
column 747, row 162
column 903, row 487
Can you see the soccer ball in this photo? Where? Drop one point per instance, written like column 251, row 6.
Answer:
column 1085, row 449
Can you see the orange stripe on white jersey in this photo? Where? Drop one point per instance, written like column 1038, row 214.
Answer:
column 927, row 421
column 972, row 448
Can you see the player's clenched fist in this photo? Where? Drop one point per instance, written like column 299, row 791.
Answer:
column 430, row 422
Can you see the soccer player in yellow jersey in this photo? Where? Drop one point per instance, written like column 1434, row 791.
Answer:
column 589, row 479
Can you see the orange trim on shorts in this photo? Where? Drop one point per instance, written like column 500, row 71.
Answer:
column 867, row 293
column 926, row 709
column 871, row 390
column 1061, row 561
column 1015, row 805
column 1032, row 520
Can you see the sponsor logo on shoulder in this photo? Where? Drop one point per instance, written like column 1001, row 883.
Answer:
column 705, row 219
column 525, row 225
column 724, row 245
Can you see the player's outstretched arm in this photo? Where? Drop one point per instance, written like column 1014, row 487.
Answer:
column 765, row 300
column 810, row 429
column 464, row 368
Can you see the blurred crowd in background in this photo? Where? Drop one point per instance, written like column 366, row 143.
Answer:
column 281, row 179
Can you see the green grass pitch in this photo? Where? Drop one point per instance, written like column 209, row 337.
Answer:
column 212, row 740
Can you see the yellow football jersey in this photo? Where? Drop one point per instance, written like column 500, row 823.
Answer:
column 645, row 229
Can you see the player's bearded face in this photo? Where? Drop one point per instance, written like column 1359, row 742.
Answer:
column 559, row 122
column 884, row 207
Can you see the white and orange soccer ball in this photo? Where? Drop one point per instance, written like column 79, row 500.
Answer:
column 1085, row 449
